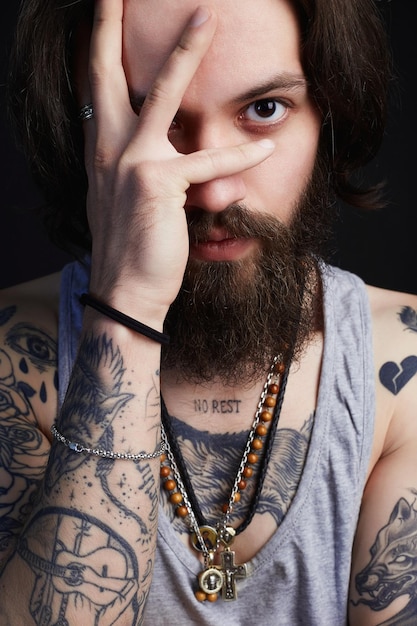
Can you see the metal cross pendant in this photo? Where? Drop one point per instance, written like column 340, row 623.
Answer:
column 231, row 572
column 216, row 578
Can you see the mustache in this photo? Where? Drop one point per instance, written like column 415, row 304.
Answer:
column 237, row 220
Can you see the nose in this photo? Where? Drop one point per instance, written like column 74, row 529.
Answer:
column 214, row 195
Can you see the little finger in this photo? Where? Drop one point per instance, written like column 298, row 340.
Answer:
column 110, row 94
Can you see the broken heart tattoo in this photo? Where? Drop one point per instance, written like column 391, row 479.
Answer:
column 395, row 376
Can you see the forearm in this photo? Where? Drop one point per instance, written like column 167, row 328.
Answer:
column 86, row 553
column 91, row 538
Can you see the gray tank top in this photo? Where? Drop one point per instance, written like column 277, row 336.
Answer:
column 301, row 576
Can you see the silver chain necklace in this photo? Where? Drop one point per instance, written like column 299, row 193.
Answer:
column 210, row 540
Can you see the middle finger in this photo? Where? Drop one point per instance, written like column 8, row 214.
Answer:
column 167, row 91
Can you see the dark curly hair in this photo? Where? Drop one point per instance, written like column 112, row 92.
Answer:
column 346, row 60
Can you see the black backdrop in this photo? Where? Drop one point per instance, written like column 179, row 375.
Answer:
column 380, row 247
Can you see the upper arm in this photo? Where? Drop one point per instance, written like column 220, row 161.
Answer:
column 384, row 571
column 28, row 399
column 384, row 568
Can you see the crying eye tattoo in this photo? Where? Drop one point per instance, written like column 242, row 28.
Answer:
column 34, row 344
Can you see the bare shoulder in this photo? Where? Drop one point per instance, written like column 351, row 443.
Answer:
column 383, row 300
column 394, row 317
column 28, row 347
column 34, row 303
column 41, row 291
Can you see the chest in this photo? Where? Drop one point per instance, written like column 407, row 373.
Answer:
column 212, row 444
column 252, row 473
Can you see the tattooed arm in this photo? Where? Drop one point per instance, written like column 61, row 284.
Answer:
column 27, row 393
column 85, row 555
column 86, row 551
column 384, row 574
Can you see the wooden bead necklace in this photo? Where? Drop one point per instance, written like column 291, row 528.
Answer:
column 176, row 482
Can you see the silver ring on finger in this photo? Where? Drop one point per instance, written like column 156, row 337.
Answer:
column 86, row 112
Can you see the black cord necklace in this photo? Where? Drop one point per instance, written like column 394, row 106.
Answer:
column 176, row 481
column 268, row 441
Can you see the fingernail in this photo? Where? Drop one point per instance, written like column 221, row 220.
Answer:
column 200, row 16
column 266, row 143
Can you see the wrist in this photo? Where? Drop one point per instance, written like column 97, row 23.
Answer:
column 139, row 303
column 120, row 317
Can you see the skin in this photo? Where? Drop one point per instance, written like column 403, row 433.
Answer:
column 154, row 149
column 196, row 143
column 156, row 145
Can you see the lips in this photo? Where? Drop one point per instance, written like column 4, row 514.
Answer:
column 220, row 246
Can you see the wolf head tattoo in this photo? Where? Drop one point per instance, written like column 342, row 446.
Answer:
column 392, row 570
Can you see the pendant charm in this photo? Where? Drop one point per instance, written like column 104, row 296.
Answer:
column 231, row 573
column 216, row 578
column 211, row 580
column 208, row 535
column 223, row 577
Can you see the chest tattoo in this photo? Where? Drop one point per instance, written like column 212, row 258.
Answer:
column 219, row 406
column 212, row 461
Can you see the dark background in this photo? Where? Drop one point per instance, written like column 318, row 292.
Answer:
column 380, row 247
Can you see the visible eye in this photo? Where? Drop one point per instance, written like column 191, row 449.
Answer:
column 34, row 344
column 267, row 110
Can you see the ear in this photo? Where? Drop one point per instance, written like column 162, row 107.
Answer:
column 402, row 511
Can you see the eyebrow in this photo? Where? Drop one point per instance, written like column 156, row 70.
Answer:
column 285, row 81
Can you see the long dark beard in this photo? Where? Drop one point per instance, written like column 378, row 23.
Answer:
column 230, row 318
